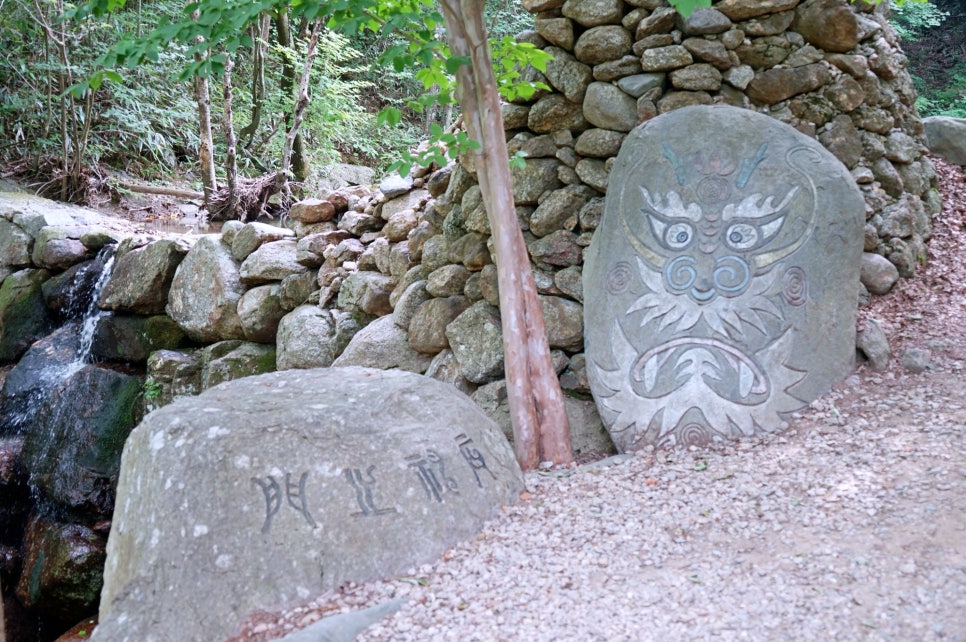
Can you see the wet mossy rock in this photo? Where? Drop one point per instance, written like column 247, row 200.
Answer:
column 73, row 450
column 63, row 566
column 280, row 486
column 23, row 315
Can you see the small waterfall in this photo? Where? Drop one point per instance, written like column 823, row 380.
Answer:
column 40, row 371
column 93, row 313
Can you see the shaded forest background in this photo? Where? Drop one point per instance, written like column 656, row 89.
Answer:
column 73, row 144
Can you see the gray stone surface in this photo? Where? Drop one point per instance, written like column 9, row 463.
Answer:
column 142, row 277
column 476, row 338
column 916, row 360
column 253, row 235
column 872, row 342
column 567, row 75
column 382, row 344
column 260, row 310
column 272, row 261
column 274, row 498
column 946, row 137
column 233, row 359
column 603, row 44
column 720, row 287
column 366, row 292
column 345, row 626
column 395, row 185
column 878, row 274
column 310, row 337
column 14, row 246
column 204, row 293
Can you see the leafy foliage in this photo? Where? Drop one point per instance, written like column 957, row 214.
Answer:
column 380, row 63
column 910, row 19
column 933, row 36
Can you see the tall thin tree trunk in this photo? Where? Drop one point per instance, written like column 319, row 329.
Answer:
column 541, row 431
column 297, row 162
column 260, row 38
column 228, row 130
column 206, row 156
column 301, row 102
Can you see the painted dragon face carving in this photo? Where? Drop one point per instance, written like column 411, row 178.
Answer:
column 705, row 254
column 712, row 292
column 708, row 254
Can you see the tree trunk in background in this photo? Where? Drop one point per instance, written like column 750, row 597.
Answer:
column 206, row 146
column 292, row 137
column 228, row 130
column 541, row 431
column 259, row 40
column 283, row 29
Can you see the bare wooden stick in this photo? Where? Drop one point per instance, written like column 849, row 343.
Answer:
column 163, row 191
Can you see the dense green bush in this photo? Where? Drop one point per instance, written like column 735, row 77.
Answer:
column 933, row 35
column 147, row 124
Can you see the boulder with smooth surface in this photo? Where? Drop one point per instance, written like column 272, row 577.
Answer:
column 282, row 486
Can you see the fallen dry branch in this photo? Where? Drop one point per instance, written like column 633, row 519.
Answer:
column 161, row 191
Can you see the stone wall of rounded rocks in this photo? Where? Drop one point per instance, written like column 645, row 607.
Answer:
column 830, row 68
column 421, row 251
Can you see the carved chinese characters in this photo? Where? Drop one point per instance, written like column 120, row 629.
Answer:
column 721, row 285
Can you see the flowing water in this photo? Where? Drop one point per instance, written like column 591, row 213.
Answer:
column 61, row 358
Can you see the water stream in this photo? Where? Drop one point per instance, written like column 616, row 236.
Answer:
column 54, row 359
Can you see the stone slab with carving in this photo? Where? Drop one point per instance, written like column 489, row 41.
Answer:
column 264, row 491
column 721, row 285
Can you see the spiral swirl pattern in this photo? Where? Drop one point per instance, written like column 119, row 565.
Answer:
column 795, row 286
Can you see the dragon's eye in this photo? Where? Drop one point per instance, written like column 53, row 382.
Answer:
column 741, row 236
column 678, row 235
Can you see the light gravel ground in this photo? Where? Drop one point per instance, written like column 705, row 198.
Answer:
column 848, row 525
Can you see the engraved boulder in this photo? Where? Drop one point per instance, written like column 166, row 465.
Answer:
column 263, row 492
column 721, row 285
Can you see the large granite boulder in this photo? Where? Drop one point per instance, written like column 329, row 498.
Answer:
column 282, row 486
column 721, row 285
column 205, row 291
column 311, row 337
column 946, row 137
column 383, row 344
column 142, row 277
column 272, row 261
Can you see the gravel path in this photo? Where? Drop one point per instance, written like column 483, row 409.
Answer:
column 849, row 525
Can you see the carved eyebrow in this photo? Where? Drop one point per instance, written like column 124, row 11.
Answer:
column 753, row 207
column 674, row 208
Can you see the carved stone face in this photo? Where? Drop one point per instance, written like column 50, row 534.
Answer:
column 701, row 280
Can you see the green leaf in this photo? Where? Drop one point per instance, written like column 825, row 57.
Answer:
column 389, row 116
column 455, row 62
column 687, row 7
